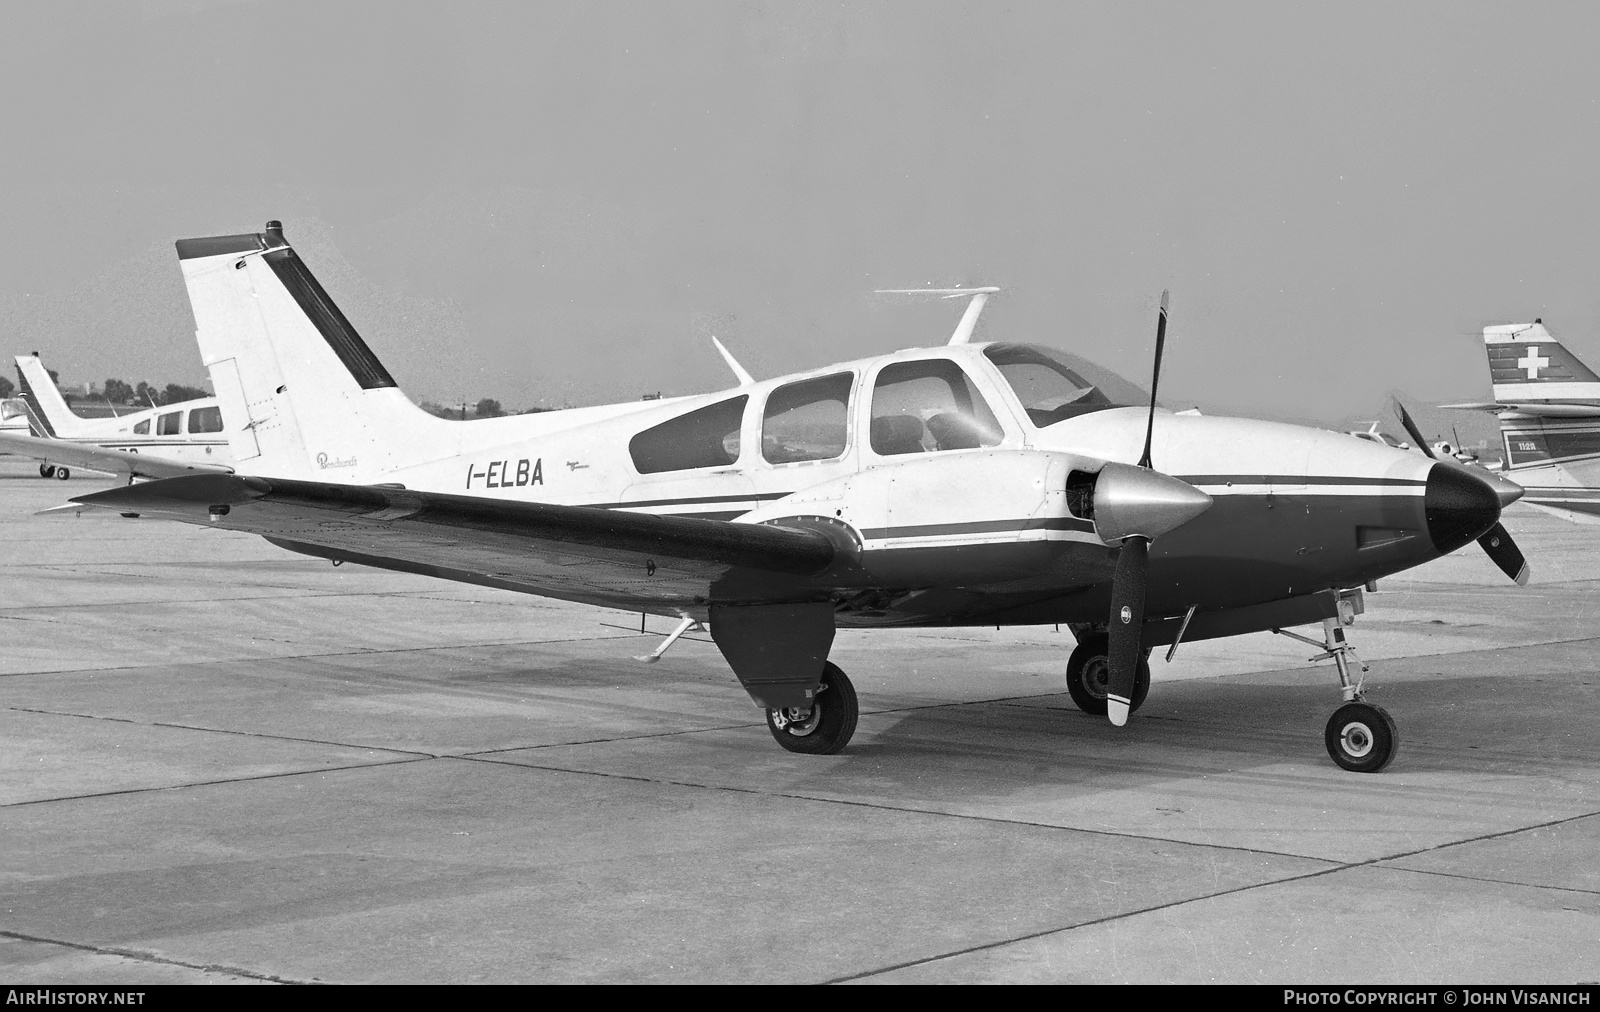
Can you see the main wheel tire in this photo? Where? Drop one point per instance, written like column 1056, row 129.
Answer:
column 1361, row 737
column 46, row 471
column 831, row 722
column 63, row 473
column 1088, row 670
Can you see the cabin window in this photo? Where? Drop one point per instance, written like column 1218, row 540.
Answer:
column 705, row 437
column 807, row 420
column 1049, row 390
column 205, row 420
column 143, row 428
column 928, row 406
column 170, row 425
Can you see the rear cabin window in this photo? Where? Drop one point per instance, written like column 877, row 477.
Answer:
column 925, row 407
column 170, row 425
column 807, row 420
column 143, row 428
column 705, row 437
column 205, row 420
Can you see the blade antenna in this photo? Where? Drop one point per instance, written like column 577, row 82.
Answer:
column 1155, row 380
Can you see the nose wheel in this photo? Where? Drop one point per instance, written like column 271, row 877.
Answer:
column 1089, row 669
column 826, row 725
column 1361, row 737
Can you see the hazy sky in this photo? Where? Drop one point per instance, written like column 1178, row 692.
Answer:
column 560, row 201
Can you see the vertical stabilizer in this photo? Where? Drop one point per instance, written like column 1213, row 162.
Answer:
column 303, row 395
column 1528, row 366
column 49, row 410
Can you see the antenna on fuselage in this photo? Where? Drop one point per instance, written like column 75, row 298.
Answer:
column 969, row 319
column 745, row 379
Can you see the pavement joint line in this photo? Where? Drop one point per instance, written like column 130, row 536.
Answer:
column 1494, row 881
column 150, row 957
column 1318, row 873
column 215, row 783
column 227, row 730
column 883, row 807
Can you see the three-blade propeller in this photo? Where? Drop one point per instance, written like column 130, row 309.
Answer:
column 1496, row 542
column 1148, row 507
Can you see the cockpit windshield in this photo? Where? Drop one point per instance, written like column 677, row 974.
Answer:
column 1052, row 390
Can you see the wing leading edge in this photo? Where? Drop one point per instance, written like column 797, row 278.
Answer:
column 598, row 556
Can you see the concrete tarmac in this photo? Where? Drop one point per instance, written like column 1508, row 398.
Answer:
column 223, row 762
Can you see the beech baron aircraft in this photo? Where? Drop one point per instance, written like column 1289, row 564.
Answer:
column 1549, row 407
column 968, row 484
column 158, row 442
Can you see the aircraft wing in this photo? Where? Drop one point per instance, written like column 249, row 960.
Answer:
column 99, row 458
column 614, row 558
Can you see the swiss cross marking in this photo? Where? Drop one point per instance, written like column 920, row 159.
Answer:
column 1532, row 362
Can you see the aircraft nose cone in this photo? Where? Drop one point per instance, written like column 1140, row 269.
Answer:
column 1459, row 507
column 1508, row 490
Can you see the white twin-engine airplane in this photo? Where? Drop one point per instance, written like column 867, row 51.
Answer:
column 158, row 442
column 968, row 484
column 1549, row 407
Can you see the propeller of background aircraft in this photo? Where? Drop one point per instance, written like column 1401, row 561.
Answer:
column 1496, row 542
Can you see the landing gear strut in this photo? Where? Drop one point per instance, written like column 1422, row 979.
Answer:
column 1087, row 672
column 826, row 725
column 1360, row 736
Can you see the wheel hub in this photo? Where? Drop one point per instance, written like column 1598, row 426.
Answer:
column 1097, row 677
column 798, row 721
column 1356, row 738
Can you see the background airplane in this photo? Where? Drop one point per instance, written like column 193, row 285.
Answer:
column 1549, row 407
column 157, row 442
column 968, row 484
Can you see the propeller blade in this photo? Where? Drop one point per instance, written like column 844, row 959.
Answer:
column 1505, row 554
column 1413, row 432
column 1127, row 625
column 1155, row 379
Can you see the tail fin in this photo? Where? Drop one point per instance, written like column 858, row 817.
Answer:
column 1529, row 368
column 303, row 395
column 48, row 410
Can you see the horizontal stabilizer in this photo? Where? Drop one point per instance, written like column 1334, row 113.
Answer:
column 99, row 458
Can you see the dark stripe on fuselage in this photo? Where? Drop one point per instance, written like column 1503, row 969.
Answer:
column 980, row 527
column 1297, row 479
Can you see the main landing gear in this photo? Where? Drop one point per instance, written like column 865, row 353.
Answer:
column 1088, row 671
column 826, row 725
column 52, row 471
column 1360, row 736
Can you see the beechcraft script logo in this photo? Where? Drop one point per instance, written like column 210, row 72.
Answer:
column 1532, row 363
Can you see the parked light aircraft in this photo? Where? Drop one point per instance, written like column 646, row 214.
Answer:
column 967, row 484
column 1549, row 407
column 158, row 442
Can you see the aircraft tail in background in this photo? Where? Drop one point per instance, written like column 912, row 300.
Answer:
column 1548, row 401
column 48, row 411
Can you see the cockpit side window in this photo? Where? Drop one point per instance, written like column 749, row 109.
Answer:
column 143, row 428
column 170, row 424
column 205, row 420
column 808, row 420
column 704, row 437
column 1048, row 390
column 928, row 406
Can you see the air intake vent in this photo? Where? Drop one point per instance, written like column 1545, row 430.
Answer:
column 1080, row 494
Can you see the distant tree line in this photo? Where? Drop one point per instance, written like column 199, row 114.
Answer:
column 143, row 394
column 488, row 407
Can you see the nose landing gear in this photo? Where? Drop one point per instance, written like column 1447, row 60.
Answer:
column 1360, row 736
